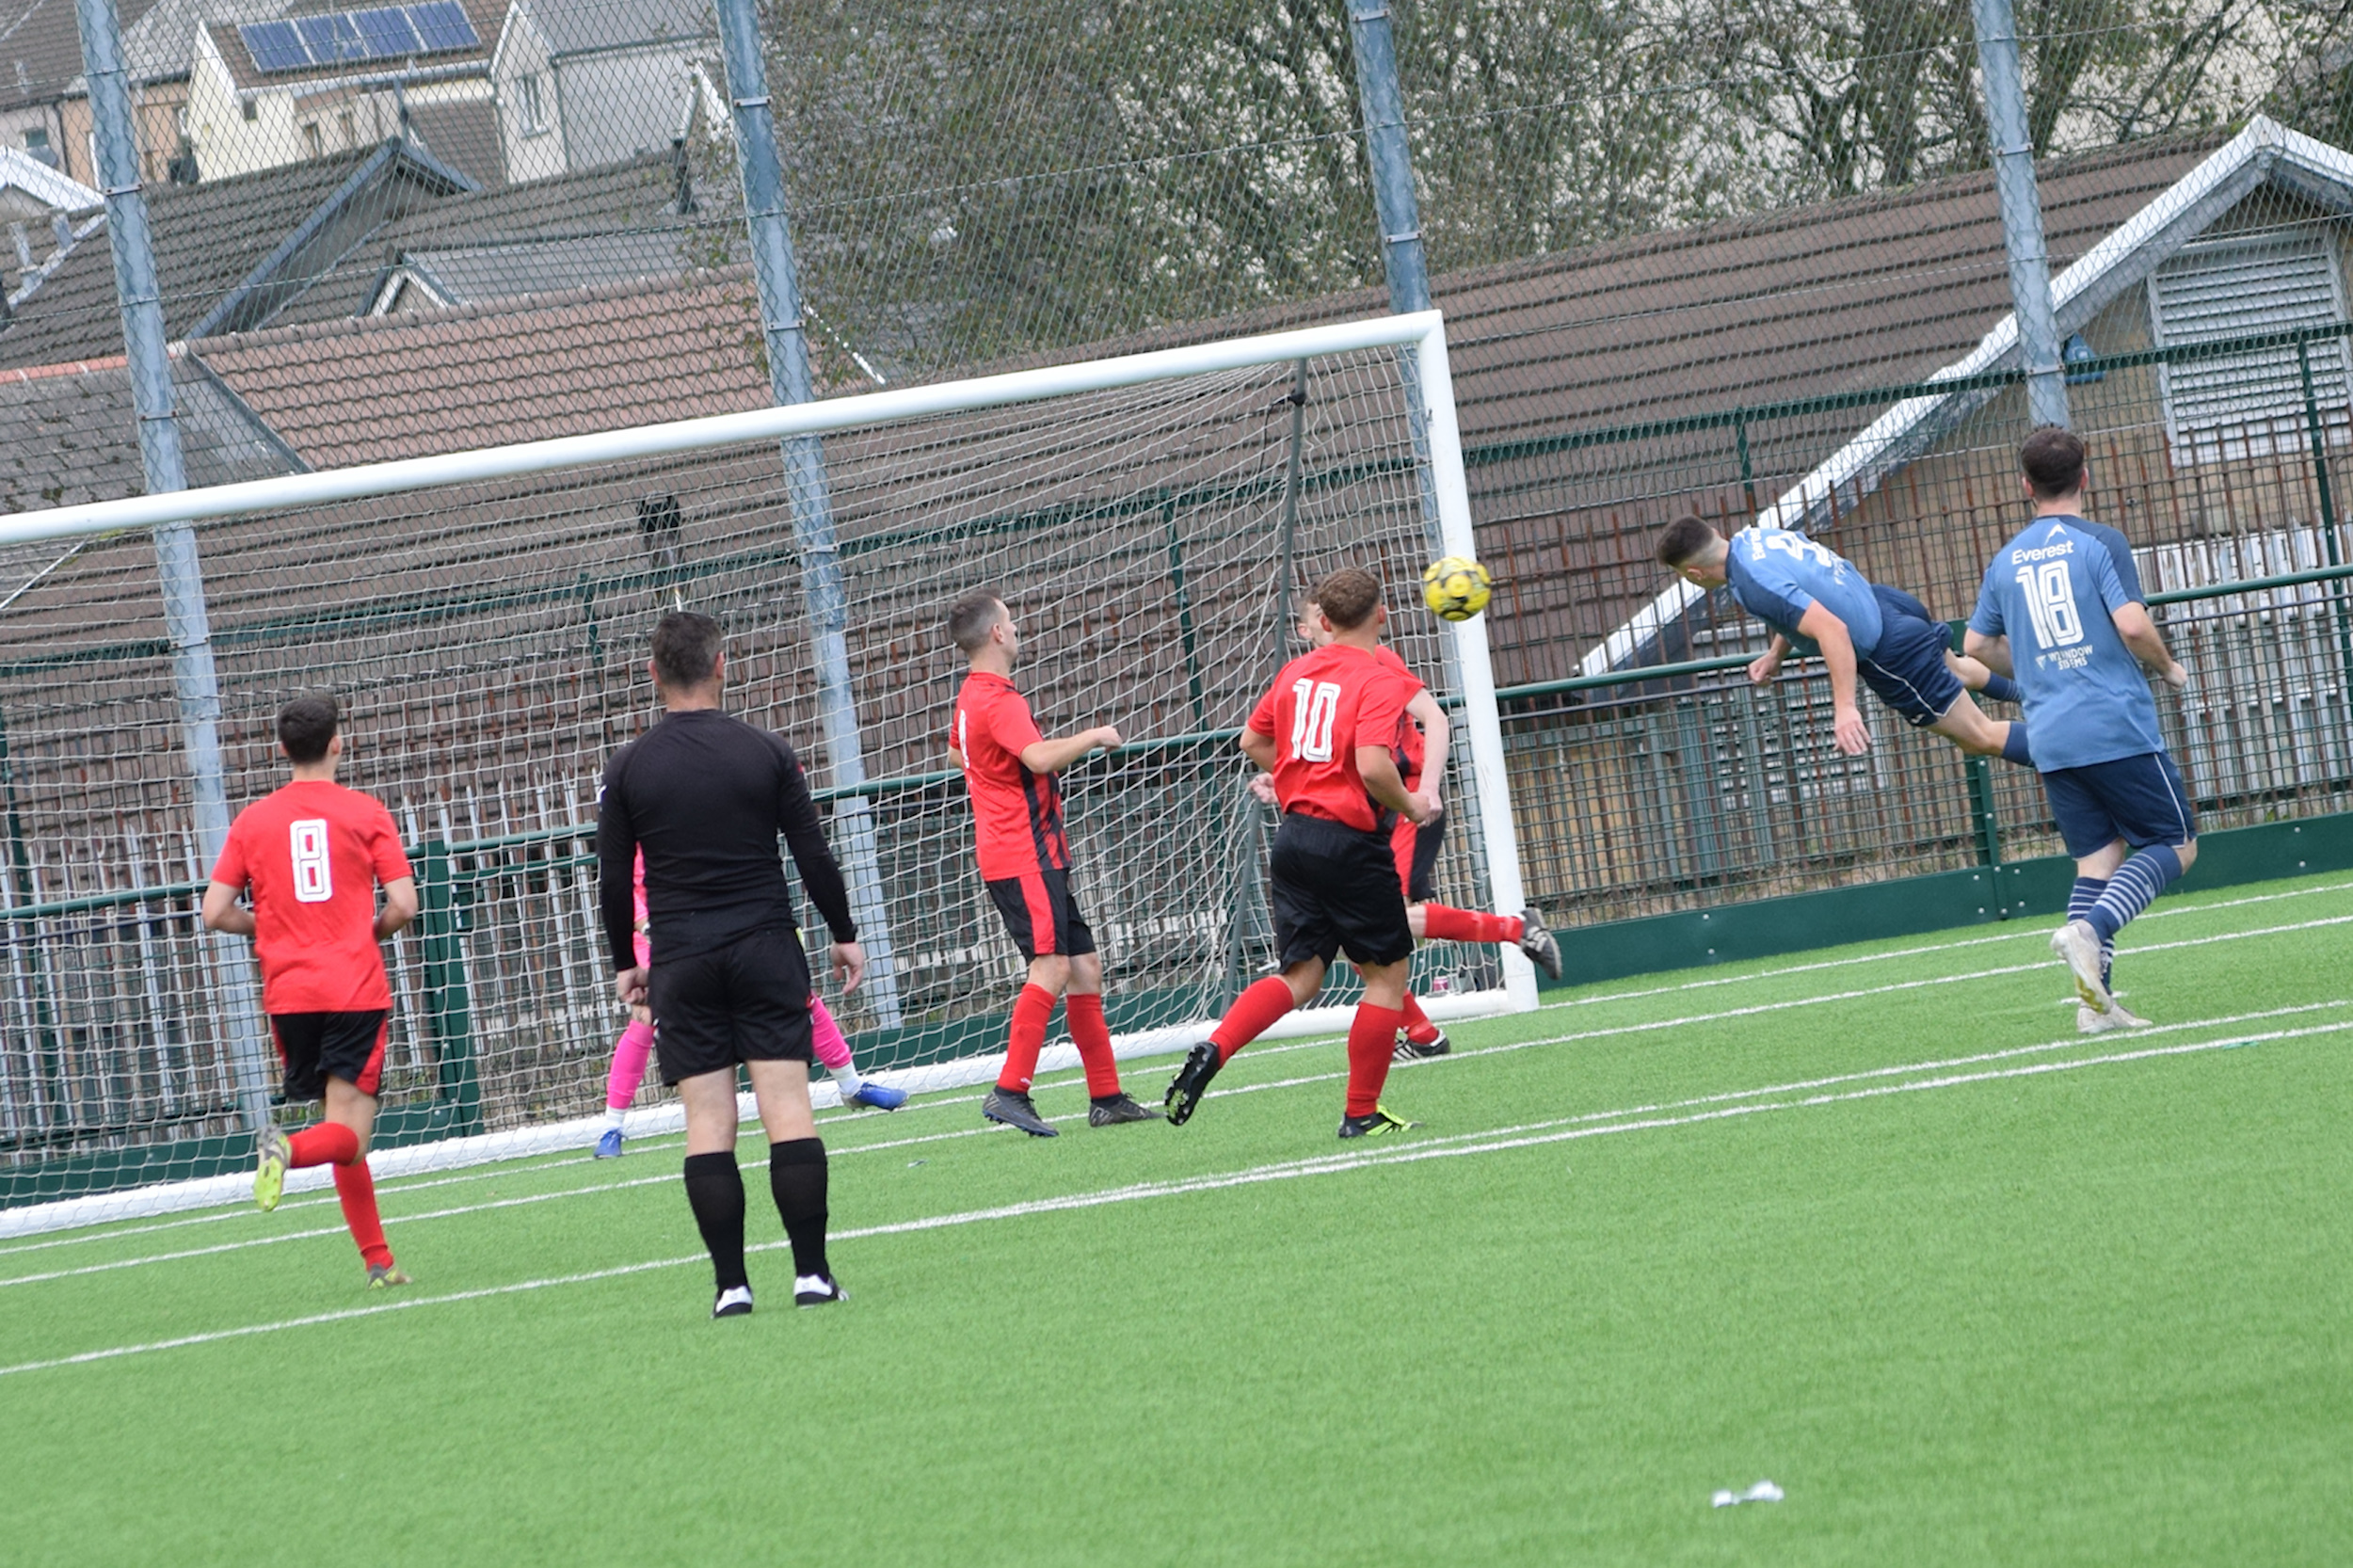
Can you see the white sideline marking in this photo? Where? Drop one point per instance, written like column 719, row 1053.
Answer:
column 1496, row 1142
column 2006, row 1053
column 657, row 1121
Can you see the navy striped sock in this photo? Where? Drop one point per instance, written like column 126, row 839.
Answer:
column 2080, row 898
column 2001, row 688
column 2139, row 880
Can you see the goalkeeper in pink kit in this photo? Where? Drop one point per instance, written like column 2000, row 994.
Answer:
column 631, row 1051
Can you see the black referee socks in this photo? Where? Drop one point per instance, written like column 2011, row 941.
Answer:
column 797, row 1175
column 714, row 1189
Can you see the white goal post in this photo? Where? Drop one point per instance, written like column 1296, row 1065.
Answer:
column 484, row 609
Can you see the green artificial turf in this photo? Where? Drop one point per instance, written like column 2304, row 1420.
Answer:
column 1962, row 1311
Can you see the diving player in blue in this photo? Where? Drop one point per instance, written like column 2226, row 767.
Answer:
column 2056, row 607
column 1818, row 604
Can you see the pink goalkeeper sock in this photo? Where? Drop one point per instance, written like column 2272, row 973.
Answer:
column 832, row 1048
column 629, row 1065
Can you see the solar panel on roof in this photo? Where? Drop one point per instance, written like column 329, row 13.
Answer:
column 332, row 38
column 388, row 32
column 275, row 46
column 443, row 24
column 379, row 33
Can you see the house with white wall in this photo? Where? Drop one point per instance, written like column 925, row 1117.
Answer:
column 585, row 83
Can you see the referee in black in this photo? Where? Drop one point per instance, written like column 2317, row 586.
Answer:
column 705, row 795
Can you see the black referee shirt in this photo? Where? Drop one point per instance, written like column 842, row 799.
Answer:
column 705, row 795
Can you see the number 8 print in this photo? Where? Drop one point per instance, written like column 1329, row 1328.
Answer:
column 314, row 871
column 2051, row 602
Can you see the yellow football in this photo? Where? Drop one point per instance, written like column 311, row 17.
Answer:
column 1456, row 588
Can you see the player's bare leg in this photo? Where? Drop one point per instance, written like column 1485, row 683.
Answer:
column 1370, row 1039
column 340, row 1140
column 1009, row 1101
column 1440, row 923
column 1253, row 1013
column 1965, row 725
column 796, row 1178
column 1108, row 1104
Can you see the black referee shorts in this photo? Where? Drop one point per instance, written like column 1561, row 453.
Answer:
column 747, row 1001
column 1336, row 889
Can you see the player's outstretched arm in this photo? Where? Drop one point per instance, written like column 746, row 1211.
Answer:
column 1767, row 665
column 2141, row 634
column 1055, row 754
column 222, row 912
column 400, row 907
column 1437, row 731
column 1830, row 635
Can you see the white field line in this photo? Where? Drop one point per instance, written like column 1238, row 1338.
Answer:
column 392, row 1185
column 1501, row 1141
column 1945, row 1063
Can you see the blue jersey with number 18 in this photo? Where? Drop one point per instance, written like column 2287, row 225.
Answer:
column 2052, row 590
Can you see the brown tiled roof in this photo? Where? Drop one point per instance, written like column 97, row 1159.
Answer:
column 408, row 386
column 67, row 434
column 42, row 51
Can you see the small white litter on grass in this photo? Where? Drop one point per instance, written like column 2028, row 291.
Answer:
column 1763, row 1492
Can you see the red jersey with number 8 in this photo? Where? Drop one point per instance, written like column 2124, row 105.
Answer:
column 1323, row 707
column 312, row 854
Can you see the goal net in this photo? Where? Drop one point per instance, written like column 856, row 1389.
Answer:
column 483, row 619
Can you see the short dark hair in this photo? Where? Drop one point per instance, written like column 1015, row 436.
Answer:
column 1685, row 539
column 306, row 725
column 1347, row 598
column 971, row 618
column 2052, row 460
column 686, row 645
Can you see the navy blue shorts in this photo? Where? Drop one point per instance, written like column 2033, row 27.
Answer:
column 2137, row 799
column 1908, row 668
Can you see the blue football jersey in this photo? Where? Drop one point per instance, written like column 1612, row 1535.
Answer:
column 1778, row 575
column 2053, row 591
column 2120, row 553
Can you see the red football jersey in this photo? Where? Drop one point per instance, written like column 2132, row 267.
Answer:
column 312, row 854
column 1412, row 745
column 1016, row 814
column 1321, row 709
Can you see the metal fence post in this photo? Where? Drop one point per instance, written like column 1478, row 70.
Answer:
column 180, row 573
column 2021, row 211
column 448, row 1002
column 788, row 382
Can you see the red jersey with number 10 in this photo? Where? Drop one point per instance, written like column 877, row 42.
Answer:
column 1323, row 707
column 1016, row 814
column 312, row 854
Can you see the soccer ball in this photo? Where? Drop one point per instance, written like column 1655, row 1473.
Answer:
column 1456, row 588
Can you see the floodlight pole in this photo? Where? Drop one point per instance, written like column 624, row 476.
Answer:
column 180, row 573
column 788, row 382
column 1382, row 103
column 2022, row 212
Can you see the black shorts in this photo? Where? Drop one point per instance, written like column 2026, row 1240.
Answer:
column 316, row 1047
column 1037, row 910
column 747, row 1001
column 1336, row 889
column 1416, row 853
column 1907, row 667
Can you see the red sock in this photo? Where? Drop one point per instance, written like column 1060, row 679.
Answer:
column 1419, row 1028
column 1443, row 925
column 357, row 1189
column 1083, row 1012
column 327, row 1143
column 1371, row 1039
column 1027, row 1037
column 1253, row 1013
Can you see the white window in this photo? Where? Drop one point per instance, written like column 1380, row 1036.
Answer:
column 527, row 106
column 2249, row 405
